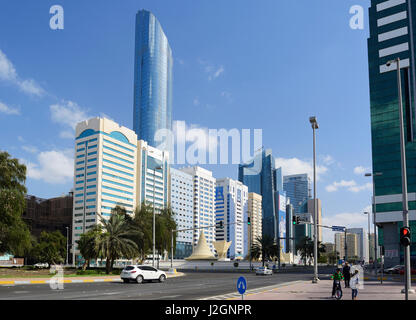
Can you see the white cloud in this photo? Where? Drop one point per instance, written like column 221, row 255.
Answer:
column 54, row 167
column 68, row 114
column 360, row 170
column 349, row 220
column 196, row 102
column 351, row 185
column 20, row 139
column 328, row 159
column 298, row 166
column 213, row 71
column 8, row 110
column 30, row 149
column 8, row 73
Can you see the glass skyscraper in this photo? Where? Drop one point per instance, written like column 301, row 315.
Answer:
column 262, row 177
column 392, row 25
column 152, row 79
column 297, row 189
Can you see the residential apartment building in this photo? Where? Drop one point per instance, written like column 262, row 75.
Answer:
column 182, row 201
column 352, row 245
column 254, row 205
column 105, row 173
column 231, row 208
column 362, row 239
column 204, row 203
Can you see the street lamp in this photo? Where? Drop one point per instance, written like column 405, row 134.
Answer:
column 369, row 249
column 407, row 288
column 315, row 126
column 67, row 232
column 374, row 174
column 154, row 219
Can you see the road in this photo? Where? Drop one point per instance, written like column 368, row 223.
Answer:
column 191, row 286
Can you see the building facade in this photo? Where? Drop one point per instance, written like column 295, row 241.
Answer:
column 105, row 173
column 182, row 202
column 153, row 65
column 352, row 245
column 298, row 190
column 392, row 36
column 204, row 203
column 254, row 213
column 261, row 176
column 231, row 207
column 362, row 239
column 152, row 183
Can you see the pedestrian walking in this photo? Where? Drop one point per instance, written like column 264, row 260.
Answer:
column 346, row 271
column 355, row 282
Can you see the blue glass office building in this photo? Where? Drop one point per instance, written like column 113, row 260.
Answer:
column 152, row 79
column 262, row 177
column 297, row 189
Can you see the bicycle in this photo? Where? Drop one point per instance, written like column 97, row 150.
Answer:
column 338, row 290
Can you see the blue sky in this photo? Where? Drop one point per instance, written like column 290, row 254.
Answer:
column 237, row 64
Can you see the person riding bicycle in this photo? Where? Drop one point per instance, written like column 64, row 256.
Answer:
column 337, row 277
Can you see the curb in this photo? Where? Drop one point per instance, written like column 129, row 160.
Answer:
column 19, row 282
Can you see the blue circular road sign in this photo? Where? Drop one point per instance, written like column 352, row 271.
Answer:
column 241, row 285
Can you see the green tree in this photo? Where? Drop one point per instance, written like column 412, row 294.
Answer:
column 143, row 227
column 306, row 249
column 264, row 247
column 115, row 240
column 88, row 246
column 51, row 248
column 164, row 226
column 14, row 234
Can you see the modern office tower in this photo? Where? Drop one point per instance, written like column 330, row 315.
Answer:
column 182, row 202
column 311, row 210
column 352, row 245
column 261, row 176
column 152, row 176
column 392, row 36
column 204, row 203
column 231, row 198
column 254, row 213
column 152, row 79
column 105, row 173
column 298, row 189
column 281, row 202
column 362, row 240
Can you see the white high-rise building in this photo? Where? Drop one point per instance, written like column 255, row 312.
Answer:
column 152, row 175
column 362, row 242
column 231, row 207
column 105, row 173
column 204, row 203
column 182, row 203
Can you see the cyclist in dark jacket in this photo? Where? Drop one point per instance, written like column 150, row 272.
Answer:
column 337, row 276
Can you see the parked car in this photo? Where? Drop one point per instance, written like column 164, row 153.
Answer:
column 263, row 271
column 394, row 270
column 42, row 265
column 412, row 271
column 141, row 273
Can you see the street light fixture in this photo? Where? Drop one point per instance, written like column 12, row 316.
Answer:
column 315, row 126
column 374, row 174
column 154, row 219
column 407, row 288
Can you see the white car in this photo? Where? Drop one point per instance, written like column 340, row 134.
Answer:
column 142, row 273
column 263, row 271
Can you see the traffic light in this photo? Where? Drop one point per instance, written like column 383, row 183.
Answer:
column 405, row 236
column 296, row 220
column 248, row 220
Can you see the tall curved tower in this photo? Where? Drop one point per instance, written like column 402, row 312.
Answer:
column 153, row 63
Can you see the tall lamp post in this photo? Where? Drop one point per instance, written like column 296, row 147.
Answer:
column 67, row 232
column 154, row 215
column 407, row 288
column 315, row 126
column 369, row 249
column 374, row 174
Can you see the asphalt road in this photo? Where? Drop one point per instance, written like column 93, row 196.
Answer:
column 191, row 286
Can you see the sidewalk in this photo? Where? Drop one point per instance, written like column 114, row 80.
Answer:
column 82, row 279
column 322, row 291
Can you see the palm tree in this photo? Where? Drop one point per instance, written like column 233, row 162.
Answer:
column 164, row 226
column 264, row 247
column 306, row 248
column 142, row 223
column 87, row 245
column 116, row 241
